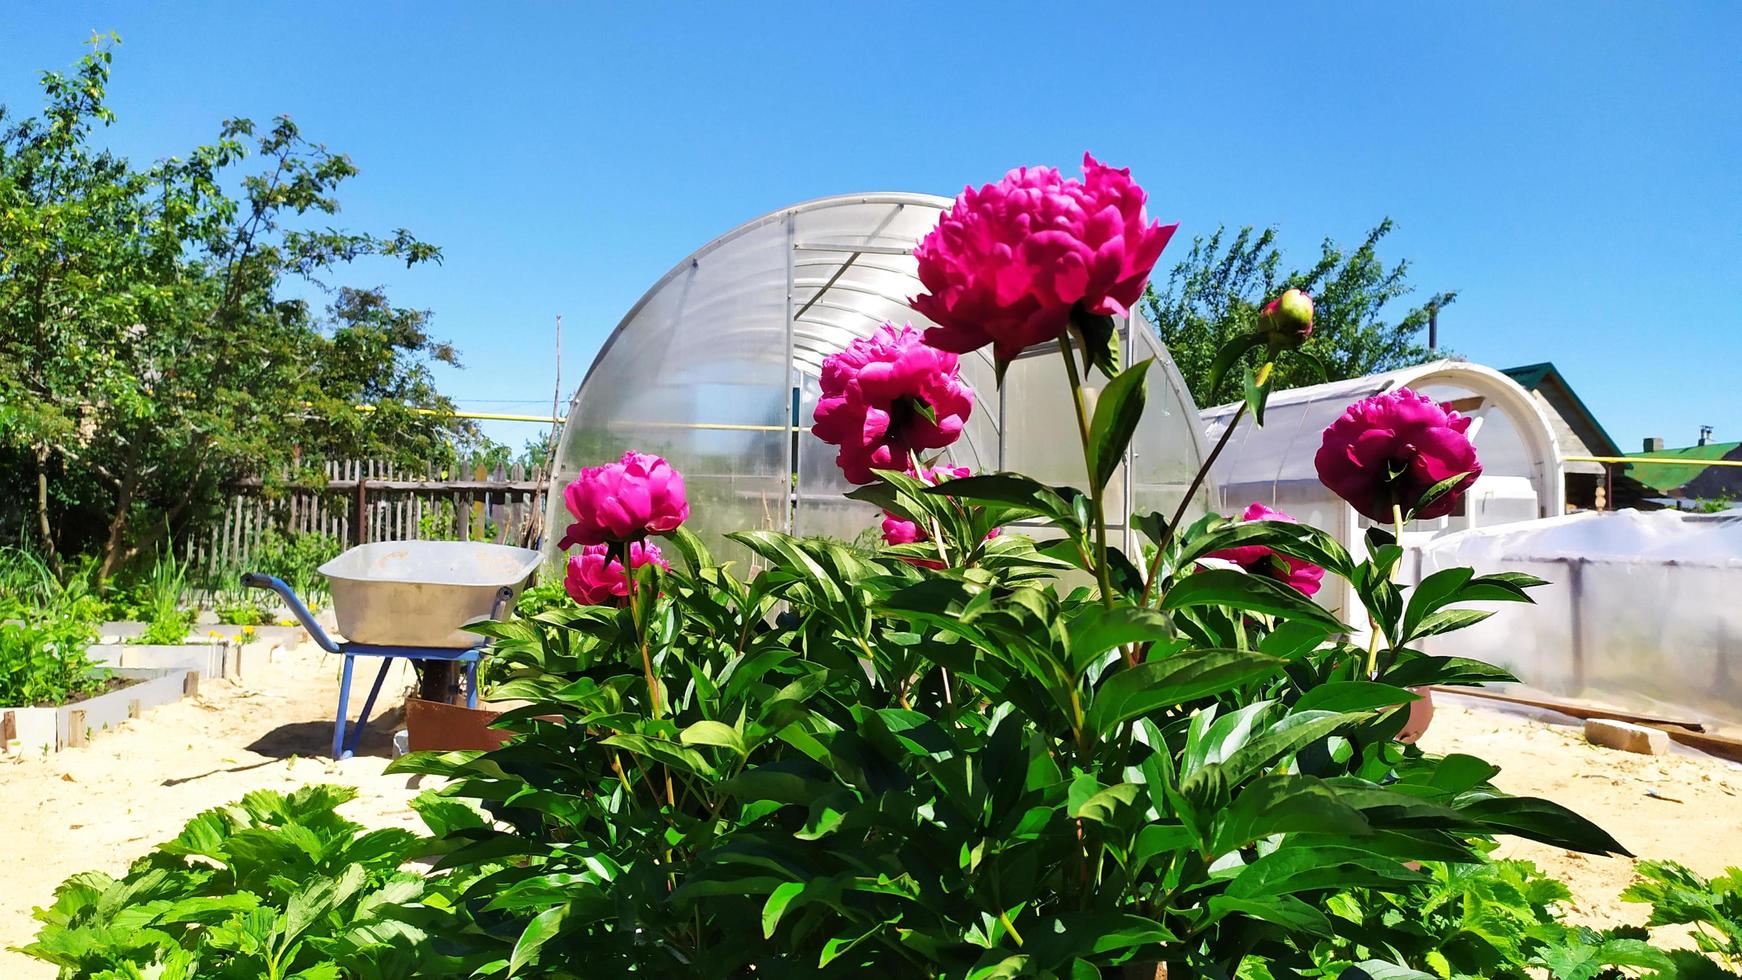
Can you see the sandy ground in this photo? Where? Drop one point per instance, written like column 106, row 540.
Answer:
column 102, row 806
column 107, row 804
column 1684, row 806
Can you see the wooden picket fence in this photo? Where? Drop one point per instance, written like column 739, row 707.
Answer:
column 371, row 500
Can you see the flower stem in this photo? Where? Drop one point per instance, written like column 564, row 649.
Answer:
column 937, row 531
column 1179, row 513
column 1373, row 642
column 640, row 632
column 1372, row 648
column 1097, row 506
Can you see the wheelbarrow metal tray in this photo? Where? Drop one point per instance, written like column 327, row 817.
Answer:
column 422, row 593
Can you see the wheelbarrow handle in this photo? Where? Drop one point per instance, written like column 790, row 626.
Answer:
column 256, row 580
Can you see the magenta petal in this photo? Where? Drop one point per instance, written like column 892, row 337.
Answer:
column 1021, row 252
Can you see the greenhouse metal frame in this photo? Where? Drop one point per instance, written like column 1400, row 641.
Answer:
column 716, row 368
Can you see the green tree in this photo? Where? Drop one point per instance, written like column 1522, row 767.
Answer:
column 154, row 345
column 1215, row 294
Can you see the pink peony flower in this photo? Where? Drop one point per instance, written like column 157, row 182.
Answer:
column 1288, row 319
column 1390, row 449
column 1008, row 262
column 624, row 501
column 900, row 530
column 1258, row 559
column 594, row 578
column 888, row 396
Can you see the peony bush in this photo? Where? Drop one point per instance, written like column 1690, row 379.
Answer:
column 939, row 760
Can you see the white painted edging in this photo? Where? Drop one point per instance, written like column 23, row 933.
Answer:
column 42, row 730
column 210, row 660
column 121, row 629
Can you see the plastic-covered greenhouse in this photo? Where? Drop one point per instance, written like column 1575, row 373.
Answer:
column 1586, row 637
column 1273, row 464
column 716, row 368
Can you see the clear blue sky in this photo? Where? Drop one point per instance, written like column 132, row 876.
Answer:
column 1574, row 169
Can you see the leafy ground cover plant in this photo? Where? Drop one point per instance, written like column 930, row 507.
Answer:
column 939, row 761
column 1712, row 906
column 275, row 886
column 1498, row 919
column 1502, row 919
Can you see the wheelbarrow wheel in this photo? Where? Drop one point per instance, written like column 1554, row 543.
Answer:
column 438, row 680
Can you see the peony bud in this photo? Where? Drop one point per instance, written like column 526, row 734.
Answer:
column 1288, row 319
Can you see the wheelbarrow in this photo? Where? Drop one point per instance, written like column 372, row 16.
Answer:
column 410, row 599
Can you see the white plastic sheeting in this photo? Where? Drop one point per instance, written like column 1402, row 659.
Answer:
column 1273, row 464
column 1642, row 612
column 716, row 368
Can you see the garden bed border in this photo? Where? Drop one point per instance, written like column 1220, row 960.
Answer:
column 43, row 730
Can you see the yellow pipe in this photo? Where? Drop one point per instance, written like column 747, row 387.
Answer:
column 498, row 416
column 489, row 416
column 1672, row 461
column 722, row 426
column 547, row 420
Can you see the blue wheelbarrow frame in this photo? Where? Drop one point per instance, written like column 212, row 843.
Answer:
column 466, row 656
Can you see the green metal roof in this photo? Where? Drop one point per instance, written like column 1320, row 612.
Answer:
column 1667, row 477
column 1531, row 376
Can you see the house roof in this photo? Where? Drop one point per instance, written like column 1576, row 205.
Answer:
column 1667, row 477
column 1534, row 376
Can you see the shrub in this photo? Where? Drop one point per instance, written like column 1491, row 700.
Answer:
column 43, row 660
column 46, row 628
column 241, row 614
column 543, row 597
column 296, row 558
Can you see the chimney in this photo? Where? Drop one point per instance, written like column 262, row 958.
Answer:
column 1654, row 444
column 1705, row 435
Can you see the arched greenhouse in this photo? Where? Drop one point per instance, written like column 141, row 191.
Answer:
column 1522, row 471
column 716, row 368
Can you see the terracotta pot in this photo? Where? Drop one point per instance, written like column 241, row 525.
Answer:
column 1421, row 713
column 432, row 726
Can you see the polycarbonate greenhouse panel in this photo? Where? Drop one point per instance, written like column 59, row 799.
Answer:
column 1640, row 610
column 697, row 373
column 717, row 367
column 1166, row 449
